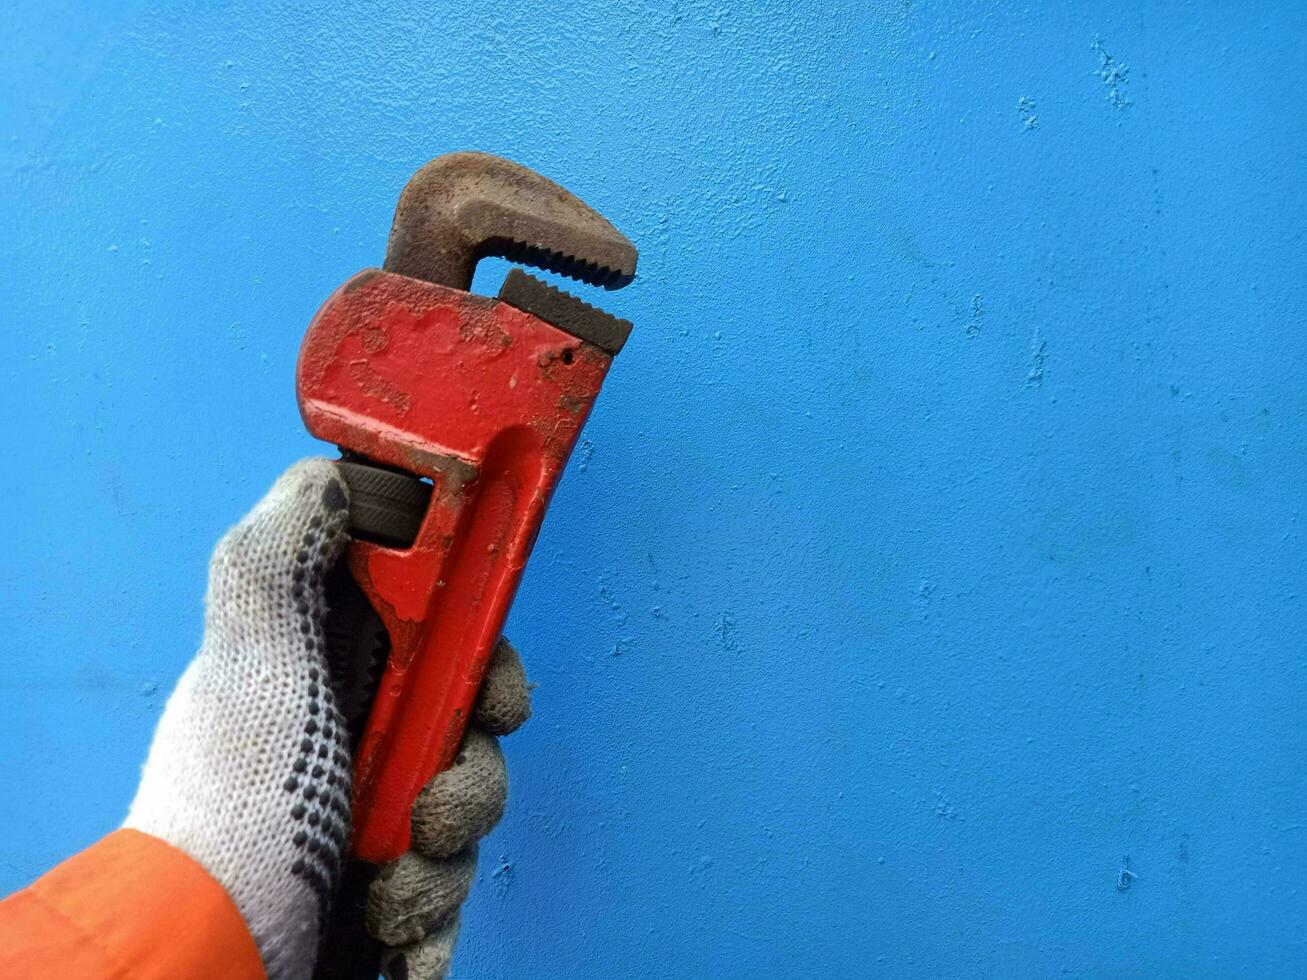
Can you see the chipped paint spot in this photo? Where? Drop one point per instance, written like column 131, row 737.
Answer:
column 368, row 381
column 573, row 404
column 1113, row 75
column 725, row 629
column 1038, row 355
column 1125, row 877
column 977, row 314
column 1026, row 109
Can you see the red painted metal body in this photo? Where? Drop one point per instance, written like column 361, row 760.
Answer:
column 486, row 401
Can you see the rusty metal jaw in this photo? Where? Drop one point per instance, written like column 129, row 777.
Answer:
column 463, row 207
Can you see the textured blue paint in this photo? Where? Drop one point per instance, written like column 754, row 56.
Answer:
column 935, row 546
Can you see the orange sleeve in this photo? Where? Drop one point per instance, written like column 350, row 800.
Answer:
column 130, row 907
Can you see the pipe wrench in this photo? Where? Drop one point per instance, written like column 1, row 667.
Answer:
column 455, row 414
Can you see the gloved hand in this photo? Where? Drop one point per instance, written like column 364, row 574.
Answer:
column 249, row 771
column 413, row 903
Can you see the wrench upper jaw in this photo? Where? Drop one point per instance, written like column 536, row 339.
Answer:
column 580, row 264
column 463, row 207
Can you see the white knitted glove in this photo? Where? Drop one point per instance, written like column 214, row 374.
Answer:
column 413, row 903
column 249, row 772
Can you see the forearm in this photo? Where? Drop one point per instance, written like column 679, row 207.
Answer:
column 130, row 905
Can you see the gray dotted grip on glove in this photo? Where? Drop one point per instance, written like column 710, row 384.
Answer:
column 249, row 771
column 414, row 901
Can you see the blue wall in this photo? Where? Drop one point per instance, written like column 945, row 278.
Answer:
column 934, row 553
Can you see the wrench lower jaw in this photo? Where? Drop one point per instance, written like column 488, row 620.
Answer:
column 564, row 311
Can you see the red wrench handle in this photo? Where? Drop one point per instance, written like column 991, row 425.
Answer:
column 487, row 402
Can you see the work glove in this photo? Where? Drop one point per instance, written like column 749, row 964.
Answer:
column 413, row 903
column 249, row 771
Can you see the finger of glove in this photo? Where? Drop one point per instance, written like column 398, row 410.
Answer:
column 271, row 565
column 414, row 896
column 504, row 702
column 463, row 803
column 426, row 959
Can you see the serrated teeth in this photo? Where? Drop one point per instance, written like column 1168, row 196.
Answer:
column 565, row 311
column 569, row 298
column 572, row 266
